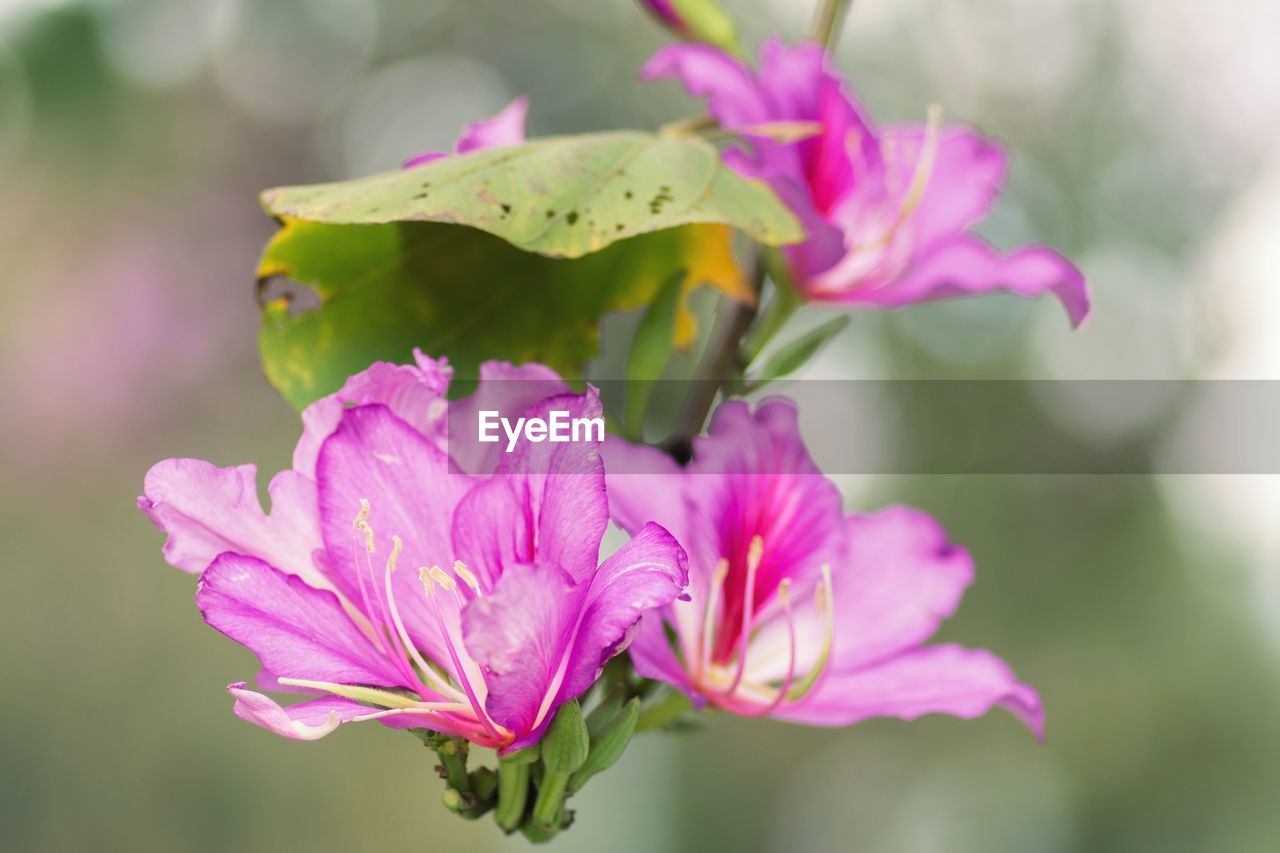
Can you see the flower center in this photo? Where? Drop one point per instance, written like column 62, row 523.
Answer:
column 452, row 699
column 724, row 678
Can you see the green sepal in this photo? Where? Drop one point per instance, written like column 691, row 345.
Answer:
column 608, row 744
column 794, row 355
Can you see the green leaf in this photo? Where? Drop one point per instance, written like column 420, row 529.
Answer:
column 562, row 196
column 650, row 351
column 791, row 357
column 462, row 293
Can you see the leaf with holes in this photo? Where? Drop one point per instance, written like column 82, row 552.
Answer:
column 557, row 232
column 458, row 292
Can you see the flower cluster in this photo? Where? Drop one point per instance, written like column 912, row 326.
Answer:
column 407, row 576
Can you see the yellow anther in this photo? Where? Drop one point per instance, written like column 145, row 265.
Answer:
column 362, row 524
column 428, row 586
column 438, row 575
column 821, row 596
column 460, row 569
column 754, row 551
column 784, row 593
column 396, row 548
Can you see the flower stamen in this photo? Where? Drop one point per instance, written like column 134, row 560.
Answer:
column 709, row 615
column 823, row 603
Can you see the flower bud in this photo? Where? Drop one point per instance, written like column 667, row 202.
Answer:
column 696, row 20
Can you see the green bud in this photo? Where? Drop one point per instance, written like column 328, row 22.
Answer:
column 705, row 21
column 608, row 744
column 453, row 800
column 566, row 743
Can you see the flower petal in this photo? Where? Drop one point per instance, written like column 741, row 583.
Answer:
column 752, row 476
column 733, row 95
column 206, row 510
column 560, row 489
column 505, row 128
column 296, row 631
column 504, row 388
column 310, row 720
column 414, row 393
column 943, row 679
column 412, row 493
column 652, row 655
column 967, row 265
column 519, row 635
column 646, row 573
column 644, row 484
column 901, row 579
column 542, row 640
column 968, row 172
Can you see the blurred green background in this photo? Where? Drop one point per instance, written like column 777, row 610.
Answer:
column 134, row 136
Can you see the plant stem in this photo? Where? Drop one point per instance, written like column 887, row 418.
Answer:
column 513, row 792
column 826, row 24
column 720, row 363
column 551, row 793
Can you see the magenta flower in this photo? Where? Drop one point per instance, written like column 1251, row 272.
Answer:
column 887, row 210
column 795, row 609
column 505, row 128
column 501, row 610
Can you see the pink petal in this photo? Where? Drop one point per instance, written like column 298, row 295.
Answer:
column 309, row 720
column 644, row 484
column 968, row 172
column 561, row 488
column 504, row 388
column 505, row 128
column 967, row 265
column 296, row 631
column 423, row 158
column 519, row 634
column 542, row 640
column 752, row 476
column 206, row 510
column 733, row 95
column 412, row 493
column 944, row 679
column 652, row 655
column 414, row 393
column 901, row 579
column 545, row 504
column 646, row 573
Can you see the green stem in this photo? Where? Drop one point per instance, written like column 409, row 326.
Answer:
column 453, row 757
column 513, row 793
column 546, row 811
column 721, row 363
column 826, row 24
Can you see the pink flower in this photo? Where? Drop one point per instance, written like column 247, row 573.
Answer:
column 795, row 609
column 887, row 210
column 501, row 610
column 505, row 128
